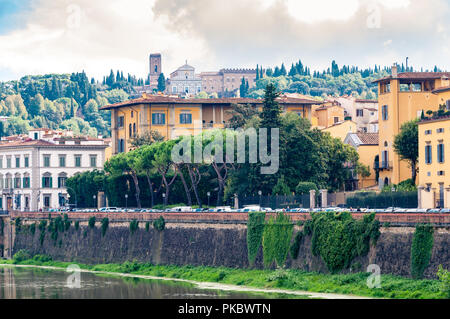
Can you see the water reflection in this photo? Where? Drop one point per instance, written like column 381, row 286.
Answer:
column 33, row 283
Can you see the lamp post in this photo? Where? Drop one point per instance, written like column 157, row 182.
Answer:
column 260, row 194
column 392, row 193
column 94, row 197
column 164, row 200
column 208, row 194
column 67, row 187
column 126, row 201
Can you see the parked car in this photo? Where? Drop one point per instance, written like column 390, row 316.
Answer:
column 109, row 209
column 434, row 210
column 445, row 210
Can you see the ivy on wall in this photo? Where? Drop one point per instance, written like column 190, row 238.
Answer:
column 2, row 225
column 276, row 240
column 255, row 228
column 338, row 238
column 421, row 247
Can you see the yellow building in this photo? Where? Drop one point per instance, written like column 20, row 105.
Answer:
column 329, row 114
column 341, row 129
column 434, row 158
column 173, row 117
column 366, row 144
column 403, row 97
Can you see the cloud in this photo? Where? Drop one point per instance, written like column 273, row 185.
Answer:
column 96, row 36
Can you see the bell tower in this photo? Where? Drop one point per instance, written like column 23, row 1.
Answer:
column 155, row 68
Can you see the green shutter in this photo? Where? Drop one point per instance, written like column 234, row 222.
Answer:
column 43, row 182
column 51, row 182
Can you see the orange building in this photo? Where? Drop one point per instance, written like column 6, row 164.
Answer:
column 172, row 117
column 403, row 97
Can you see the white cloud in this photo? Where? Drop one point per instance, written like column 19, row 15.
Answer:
column 72, row 35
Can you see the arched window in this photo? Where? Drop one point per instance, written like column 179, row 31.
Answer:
column 130, row 130
column 134, row 129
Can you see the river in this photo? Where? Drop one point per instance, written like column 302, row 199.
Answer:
column 36, row 283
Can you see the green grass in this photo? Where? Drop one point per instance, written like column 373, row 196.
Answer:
column 353, row 284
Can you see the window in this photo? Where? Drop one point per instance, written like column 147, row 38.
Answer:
column 428, row 157
column 17, row 182
column 134, row 129
column 440, row 130
column 62, row 161
column 93, row 159
column 62, row 181
column 46, row 160
column 26, row 182
column 336, row 119
column 359, row 113
column 132, row 114
column 384, row 159
column 47, row 201
column 185, row 118
column 121, row 146
column 441, row 173
column 77, row 160
column 17, row 162
column 428, row 132
column 8, row 162
column 447, row 105
column 1, row 161
column 130, row 132
column 440, row 153
column 47, row 182
column 174, row 89
column 416, row 87
column 27, row 161
column 384, row 112
column 36, row 136
column 186, row 89
column 158, row 118
column 120, row 122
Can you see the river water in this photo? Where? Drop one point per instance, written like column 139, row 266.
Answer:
column 34, row 283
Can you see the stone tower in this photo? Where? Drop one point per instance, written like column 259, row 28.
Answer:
column 155, row 68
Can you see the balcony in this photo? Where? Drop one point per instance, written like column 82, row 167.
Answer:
column 383, row 165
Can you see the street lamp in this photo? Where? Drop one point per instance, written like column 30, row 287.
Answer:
column 67, row 187
column 126, row 201
column 94, row 197
column 164, row 200
column 208, row 194
column 260, row 194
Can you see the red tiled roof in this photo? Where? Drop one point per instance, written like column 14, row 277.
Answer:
column 368, row 138
column 365, row 101
column 416, row 76
column 28, row 142
column 441, row 89
column 157, row 99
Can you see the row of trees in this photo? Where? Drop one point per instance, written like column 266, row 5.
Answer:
column 305, row 155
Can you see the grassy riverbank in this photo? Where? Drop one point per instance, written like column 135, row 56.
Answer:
column 352, row 284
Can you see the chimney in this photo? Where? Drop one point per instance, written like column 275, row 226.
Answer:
column 394, row 70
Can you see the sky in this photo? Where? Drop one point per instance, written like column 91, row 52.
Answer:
column 64, row 36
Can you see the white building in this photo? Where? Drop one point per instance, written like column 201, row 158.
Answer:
column 184, row 81
column 34, row 170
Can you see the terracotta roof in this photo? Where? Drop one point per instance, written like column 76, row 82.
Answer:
column 441, row 89
column 436, row 119
column 41, row 143
column 374, row 122
column 368, row 138
column 366, row 101
column 158, row 99
column 416, row 76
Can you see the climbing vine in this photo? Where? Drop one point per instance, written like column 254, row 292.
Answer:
column 105, row 224
column 295, row 247
column 134, row 225
column 255, row 228
column 421, row 247
column 276, row 240
column 338, row 238
column 159, row 224
column 2, row 225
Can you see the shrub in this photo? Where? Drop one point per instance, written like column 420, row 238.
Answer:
column 21, row 255
column 255, row 228
column 444, row 277
column 159, row 224
column 91, row 222
column 147, row 226
column 42, row 258
column 105, row 224
column 134, row 225
column 281, row 188
column 305, row 187
column 18, row 223
column 77, row 225
column 421, row 247
column 296, row 244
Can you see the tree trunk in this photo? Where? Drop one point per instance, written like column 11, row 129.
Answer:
column 413, row 172
column 137, row 189
column 186, row 189
column 150, row 185
column 194, row 184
